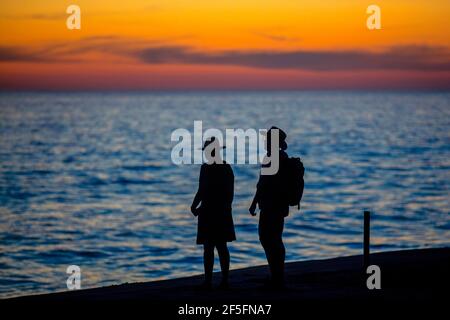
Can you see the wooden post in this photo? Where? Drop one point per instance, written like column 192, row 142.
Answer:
column 366, row 239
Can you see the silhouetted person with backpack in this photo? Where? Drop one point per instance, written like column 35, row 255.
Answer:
column 215, row 221
column 274, row 194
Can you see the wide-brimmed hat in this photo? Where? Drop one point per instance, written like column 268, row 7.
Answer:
column 281, row 136
column 212, row 140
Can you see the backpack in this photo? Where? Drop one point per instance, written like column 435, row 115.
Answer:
column 294, row 181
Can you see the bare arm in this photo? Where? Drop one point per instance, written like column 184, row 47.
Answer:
column 198, row 195
column 230, row 184
column 255, row 201
column 196, row 202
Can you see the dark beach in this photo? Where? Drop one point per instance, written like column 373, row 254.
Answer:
column 406, row 276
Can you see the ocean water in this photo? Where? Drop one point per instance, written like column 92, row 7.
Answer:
column 86, row 179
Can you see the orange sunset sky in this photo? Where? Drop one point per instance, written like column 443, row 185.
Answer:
column 224, row 44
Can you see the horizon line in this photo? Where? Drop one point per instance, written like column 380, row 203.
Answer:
column 224, row 90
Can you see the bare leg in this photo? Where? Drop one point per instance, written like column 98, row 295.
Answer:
column 224, row 257
column 208, row 262
column 270, row 235
column 279, row 255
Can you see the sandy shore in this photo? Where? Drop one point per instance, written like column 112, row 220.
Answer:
column 410, row 275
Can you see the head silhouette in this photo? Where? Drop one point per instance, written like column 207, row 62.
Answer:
column 211, row 149
column 271, row 135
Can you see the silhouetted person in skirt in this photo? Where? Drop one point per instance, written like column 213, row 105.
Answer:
column 215, row 221
column 271, row 198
